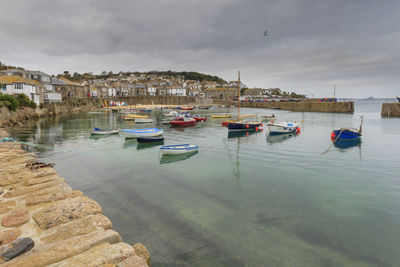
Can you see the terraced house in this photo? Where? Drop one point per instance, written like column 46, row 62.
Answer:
column 11, row 84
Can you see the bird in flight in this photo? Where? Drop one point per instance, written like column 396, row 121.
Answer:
column 265, row 33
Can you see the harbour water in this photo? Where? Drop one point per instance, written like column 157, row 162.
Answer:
column 243, row 200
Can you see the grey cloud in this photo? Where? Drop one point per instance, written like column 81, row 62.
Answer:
column 311, row 43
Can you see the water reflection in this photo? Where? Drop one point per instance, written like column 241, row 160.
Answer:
column 235, row 134
column 149, row 145
column 173, row 158
column 347, row 143
column 129, row 143
column 278, row 138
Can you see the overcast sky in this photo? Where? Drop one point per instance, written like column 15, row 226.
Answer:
column 311, row 44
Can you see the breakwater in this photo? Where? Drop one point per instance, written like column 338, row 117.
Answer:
column 390, row 110
column 44, row 222
column 333, row 107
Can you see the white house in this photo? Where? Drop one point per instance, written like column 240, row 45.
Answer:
column 112, row 92
column 177, row 91
column 11, row 85
column 152, row 91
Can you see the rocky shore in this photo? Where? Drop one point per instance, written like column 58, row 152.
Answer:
column 46, row 223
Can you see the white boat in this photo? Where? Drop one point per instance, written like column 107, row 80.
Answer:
column 282, row 127
column 178, row 149
column 97, row 131
column 145, row 132
column 268, row 118
column 143, row 120
column 172, row 113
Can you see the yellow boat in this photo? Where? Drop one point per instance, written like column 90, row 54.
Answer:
column 220, row 116
column 246, row 116
column 135, row 116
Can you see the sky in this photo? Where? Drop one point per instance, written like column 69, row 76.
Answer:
column 311, row 45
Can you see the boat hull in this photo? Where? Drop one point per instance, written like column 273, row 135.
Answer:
column 178, row 149
column 282, row 128
column 346, row 134
column 135, row 133
column 143, row 120
column 243, row 126
column 104, row 132
column 200, row 119
column 150, row 139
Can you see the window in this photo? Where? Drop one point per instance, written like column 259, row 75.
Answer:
column 18, row 86
column 4, row 87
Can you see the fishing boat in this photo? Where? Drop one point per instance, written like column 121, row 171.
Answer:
column 241, row 125
column 221, row 116
column 180, row 121
column 283, row 127
column 178, row 149
column 172, row 113
column 348, row 133
column 97, row 131
column 150, row 139
column 145, row 132
column 143, row 120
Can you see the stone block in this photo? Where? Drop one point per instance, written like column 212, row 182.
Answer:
column 17, row 248
column 7, row 206
column 8, row 236
column 142, row 252
column 133, row 261
column 65, row 211
column 16, row 218
column 39, row 199
column 19, row 191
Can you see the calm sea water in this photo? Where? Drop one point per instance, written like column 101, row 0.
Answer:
column 241, row 201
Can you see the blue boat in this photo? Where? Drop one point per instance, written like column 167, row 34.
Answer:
column 141, row 132
column 347, row 133
column 145, row 139
column 178, row 149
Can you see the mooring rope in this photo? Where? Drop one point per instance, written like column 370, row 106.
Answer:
column 333, row 143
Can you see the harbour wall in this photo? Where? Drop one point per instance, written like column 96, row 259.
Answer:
column 45, row 222
column 333, row 107
column 390, row 110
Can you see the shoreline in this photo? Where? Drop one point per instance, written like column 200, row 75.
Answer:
column 44, row 221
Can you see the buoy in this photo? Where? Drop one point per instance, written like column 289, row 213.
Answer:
column 247, row 126
column 261, row 125
column 256, row 129
column 247, row 133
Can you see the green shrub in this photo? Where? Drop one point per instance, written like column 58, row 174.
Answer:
column 24, row 101
column 14, row 104
column 5, row 104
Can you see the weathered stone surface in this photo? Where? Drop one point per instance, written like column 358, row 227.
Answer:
column 17, row 248
column 65, row 211
column 142, row 252
column 8, row 236
column 79, row 227
column 53, row 253
column 34, row 200
column 101, row 255
column 19, row 191
column 133, row 261
column 16, row 218
column 7, row 206
column 20, row 160
column 63, row 187
column 12, row 178
column 42, row 180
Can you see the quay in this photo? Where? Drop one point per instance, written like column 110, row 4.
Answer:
column 46, row 223
column 390, row 110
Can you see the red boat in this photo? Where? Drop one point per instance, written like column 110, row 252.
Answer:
column 187, row 108
column 183, row 121
column 198, row 118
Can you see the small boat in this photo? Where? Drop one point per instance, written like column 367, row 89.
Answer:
column 268, row 118
column 178, row 149
column 143, row 120
column 348, row 133
column 283, row 127
column 135, row 133
column 199, row 118
column 97, row 131
column 187, row 108
column 150, row 139
column 172, row 113
column 220, row 116
column 134, row 116
column 244, row 125
column 178, row 121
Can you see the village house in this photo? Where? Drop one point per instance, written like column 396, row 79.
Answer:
column 39, row 76
column 222, row 93
column 140, row 89
column 177, row 91
column 33, row 89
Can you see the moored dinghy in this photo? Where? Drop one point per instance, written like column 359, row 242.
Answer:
column 145, row 132
column 178, row 149
column 282, row 127
column 348, row 133
column 150, row 139
column 97, row 131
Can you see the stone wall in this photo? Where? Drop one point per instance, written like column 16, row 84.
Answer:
column 338, row 107
column 390, row 110
column 46, row 223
